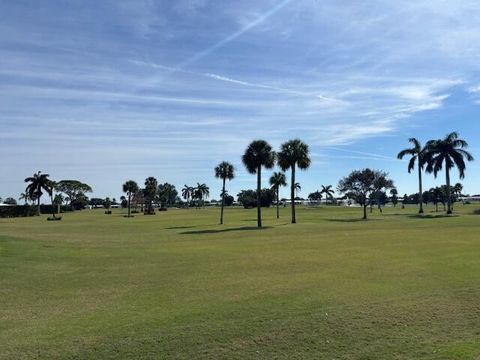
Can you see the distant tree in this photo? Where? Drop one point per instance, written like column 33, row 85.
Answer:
column 328, row 191
column 58, row 201
column 248, row 198
column 229, row 200
column 224, row 171
column 187, row 193
column 107, row 204
column 448, row 153
column 10, row 201
column 315, row 196
column 167, row 194
column 394, row 197
column 36, row 184
column 123, row 202
column 257, row 155
column 418, row 155
column 75, row 191
column 200, row 193
column 276, row 180
column 293, row 154
column 149, row 193
column 130, row 187
column 24, row 196
column 361, row 184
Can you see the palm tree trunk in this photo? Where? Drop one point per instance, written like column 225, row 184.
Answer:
column 53, row 207
column 420, row 187
column 38, row 206
column 128, row 204
column 223, row 202
column 259, row 189
column 449, row 199
column 365, row 211
column 278, row 211
column 292, row 194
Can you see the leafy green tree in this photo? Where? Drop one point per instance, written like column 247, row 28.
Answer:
column 75, row 191
column 150, row 191
column 418, row 155
column 10, row 201
column 362, row 184
column 315, row 196
column 448, row 153
column 257, row 155
column 36, row 184
column 130, row 187
column 293, row 154
column 224, row 171
column 248, row 198
column 328, row 191
column 276, row 180
column 107, row 204
column 167, row 194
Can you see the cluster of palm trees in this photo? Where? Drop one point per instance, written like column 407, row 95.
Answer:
column 195, row 194
column 435, row 156
column 318, row 195
column 293, row 154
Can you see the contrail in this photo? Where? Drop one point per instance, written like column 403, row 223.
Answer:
column 235, row 35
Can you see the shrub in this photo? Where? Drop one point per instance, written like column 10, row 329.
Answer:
column 476, row 212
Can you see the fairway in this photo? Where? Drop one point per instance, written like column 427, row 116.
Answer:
column 178, row 285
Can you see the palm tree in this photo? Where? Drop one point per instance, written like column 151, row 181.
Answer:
column 259, row 153
column 130, row 187
column 224, row 171
column 187, row 193
column 201, row 192
column 328, row 191
column 293, row 153
column 149, row 193
column 37, row 183
column 418, row 156
column 24, row 196
column 449, row 152
column 298, row 188
column 58, row 200
column 276, row 180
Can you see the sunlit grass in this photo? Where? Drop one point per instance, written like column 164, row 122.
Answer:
column 177, row 285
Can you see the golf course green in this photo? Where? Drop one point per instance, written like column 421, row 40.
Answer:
column 177, row 285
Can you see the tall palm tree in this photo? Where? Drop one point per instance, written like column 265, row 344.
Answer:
column 418, row 155
column 276, row 180
column 58, row 200
column 293, row 154
column 130, row 187
column 257, row 155
column 328, row 191
column 150, row 192
column 224, row 171
column 449, row 152
column 187, row 193
column 37, row 183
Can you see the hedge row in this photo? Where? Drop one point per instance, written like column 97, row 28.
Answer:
column 28, row 210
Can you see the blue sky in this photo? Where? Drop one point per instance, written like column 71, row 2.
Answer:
column 106, row 91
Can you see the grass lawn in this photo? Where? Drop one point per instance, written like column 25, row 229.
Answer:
column 177, row 285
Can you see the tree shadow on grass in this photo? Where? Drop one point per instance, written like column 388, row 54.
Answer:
column 217, row 231
column 179, row 227
column 352, row 220
column 431, row 217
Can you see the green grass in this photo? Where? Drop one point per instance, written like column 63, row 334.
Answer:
column 177, row 285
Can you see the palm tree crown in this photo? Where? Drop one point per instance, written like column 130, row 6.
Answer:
column 450, row 152
column 328, row 191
